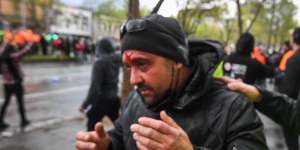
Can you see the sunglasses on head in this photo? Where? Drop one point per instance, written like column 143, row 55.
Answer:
column 136, row 25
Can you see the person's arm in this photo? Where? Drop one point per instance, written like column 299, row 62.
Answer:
column 280, row 108
column 95, row 85
column 22, row 52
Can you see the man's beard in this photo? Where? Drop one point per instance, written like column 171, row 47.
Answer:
column 157, row 103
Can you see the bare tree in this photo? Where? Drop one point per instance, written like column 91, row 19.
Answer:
column 259, row 7
column 240, row 14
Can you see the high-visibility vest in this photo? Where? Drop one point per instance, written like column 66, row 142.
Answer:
column 285, row 58
column 256, row 54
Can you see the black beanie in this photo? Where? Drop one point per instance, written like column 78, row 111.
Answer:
column 162, row 36
column 296, row 36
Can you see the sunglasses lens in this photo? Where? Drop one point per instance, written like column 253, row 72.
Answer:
column 132, row 26
column 135, row 25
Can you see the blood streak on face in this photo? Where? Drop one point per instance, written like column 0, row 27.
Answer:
column 127, row 57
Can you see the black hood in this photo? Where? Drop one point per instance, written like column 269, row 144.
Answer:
column 245, row 44
column 205, row 55
column 105, row 46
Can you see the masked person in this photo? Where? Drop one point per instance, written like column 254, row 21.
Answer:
column 176, row 104
column 240, row 65
column 102, row 97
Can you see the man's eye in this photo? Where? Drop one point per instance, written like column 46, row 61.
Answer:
column 142, row 64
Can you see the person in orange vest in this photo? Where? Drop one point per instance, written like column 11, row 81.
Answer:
column 288, row 54
column 257, row 55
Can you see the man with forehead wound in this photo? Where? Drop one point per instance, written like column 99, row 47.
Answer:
column 175, row 105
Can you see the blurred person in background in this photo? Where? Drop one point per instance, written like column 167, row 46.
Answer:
column 285, row 52
column 241, row 66
column 81, row 48
column 13, row 77
column 291, row 83
column 102, row 98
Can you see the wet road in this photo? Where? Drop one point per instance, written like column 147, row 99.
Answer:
column 53, row 95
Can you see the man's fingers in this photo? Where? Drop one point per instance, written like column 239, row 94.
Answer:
column 141, row 146
column 226, row 80
column 100, row 130
column 146, row 142
column 82, row 136
column 155, row 124
column 147, row 132
column 238, row 86
column 167, row 119
column 85, row 145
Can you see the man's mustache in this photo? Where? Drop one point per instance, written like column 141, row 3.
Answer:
column 142, row 87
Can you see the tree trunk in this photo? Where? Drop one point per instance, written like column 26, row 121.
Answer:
column 260, row 5
column 270, row 31
column 31, row 5
column 239, row 14
column 133, row 12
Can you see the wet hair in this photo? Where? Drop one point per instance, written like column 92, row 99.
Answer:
column 245, row 44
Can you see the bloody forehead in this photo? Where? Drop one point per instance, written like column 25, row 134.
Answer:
column 127, row 57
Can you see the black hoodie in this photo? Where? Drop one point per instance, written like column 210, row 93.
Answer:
column 105, row 74
column 240, row 65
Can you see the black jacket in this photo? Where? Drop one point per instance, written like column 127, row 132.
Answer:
column 291, row 81
column 280, row 108
column 105, row 74
column 213, row 117
column 242, row 66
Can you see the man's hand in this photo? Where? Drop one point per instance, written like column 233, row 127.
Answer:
column 164, row 134
column 95, row 140
column 248, row 90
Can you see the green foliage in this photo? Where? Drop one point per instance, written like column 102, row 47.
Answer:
column 196, row 11
column 275, row 21
column 109, row 8
column 207, row 19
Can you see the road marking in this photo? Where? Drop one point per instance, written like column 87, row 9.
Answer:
column 38, row 125
column 53, row 92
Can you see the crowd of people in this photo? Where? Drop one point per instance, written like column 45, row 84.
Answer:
column 54, row 43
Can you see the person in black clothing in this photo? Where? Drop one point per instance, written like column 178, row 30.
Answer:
column 241, row 66
column 176, row 104
column 291, row 83
column 12, row 78
column 102, row 98
column 279, row 107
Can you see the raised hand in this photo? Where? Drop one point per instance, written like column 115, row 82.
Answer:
column 94, row 140
column 162, row 134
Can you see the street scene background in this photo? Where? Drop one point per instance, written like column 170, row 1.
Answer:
column 58, row 70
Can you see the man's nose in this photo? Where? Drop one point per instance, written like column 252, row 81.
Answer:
column 135, row 77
